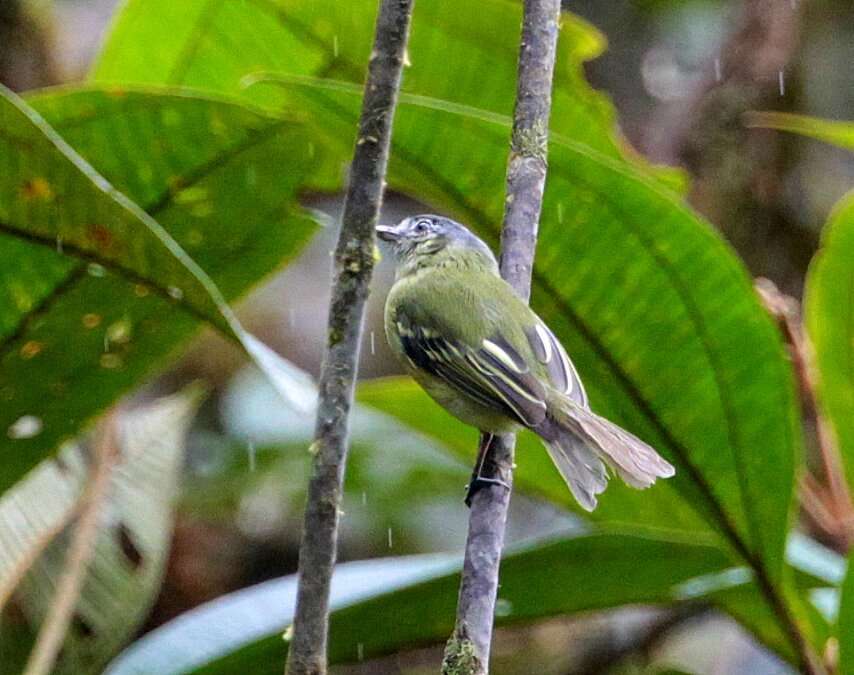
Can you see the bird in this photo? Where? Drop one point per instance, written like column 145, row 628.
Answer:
column 484, row 355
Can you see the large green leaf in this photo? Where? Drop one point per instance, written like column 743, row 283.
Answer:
column 829, row 313
column 94, row 293
column 400, row 603
column 216, row 45
column 123, row 577
column 535, row 473
column 653, row 306
column 656, row 310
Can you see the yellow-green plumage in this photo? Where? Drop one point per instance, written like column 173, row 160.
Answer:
column 460, row 298
column 486, row 357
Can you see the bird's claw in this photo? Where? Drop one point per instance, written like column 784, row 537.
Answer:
column 478, row 483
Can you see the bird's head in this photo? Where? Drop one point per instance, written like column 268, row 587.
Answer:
column 422, row 240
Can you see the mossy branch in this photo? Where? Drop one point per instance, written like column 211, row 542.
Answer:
column 467, row 651
column 354, row 263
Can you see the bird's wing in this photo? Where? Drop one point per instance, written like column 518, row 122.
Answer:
column 559, row 369
column 492, row 373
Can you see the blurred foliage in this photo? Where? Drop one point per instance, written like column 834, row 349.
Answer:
column 202, row 148
column 643, row 242
column 545, row 579
column 130, row 553
column 846, row 626
column 100, row 294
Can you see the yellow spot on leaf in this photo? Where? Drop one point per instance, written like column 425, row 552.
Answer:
column 91, row 320
column 120, row 331
column 31, row 349
column 37, row 189
column 111, row 361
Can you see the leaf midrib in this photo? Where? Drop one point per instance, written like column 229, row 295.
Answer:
column 84, row 257
column 753, row 558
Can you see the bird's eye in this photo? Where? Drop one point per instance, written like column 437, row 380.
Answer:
column 422, row 226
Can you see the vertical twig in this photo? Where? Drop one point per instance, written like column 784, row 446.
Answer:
column 830, row 505
column 354, row 262
column 468, row 648
column 55, row 625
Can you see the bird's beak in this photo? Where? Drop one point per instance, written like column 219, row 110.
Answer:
column 387, row 233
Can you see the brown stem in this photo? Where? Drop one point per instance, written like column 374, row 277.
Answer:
column 354, row 262
column 608, row 651
column 829, row 506
column 467, row 651
column 55, row 625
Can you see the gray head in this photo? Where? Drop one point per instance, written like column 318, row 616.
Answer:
column 419, row 238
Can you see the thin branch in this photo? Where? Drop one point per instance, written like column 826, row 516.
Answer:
column 829, row 505
column 354, row 262
column 80, row 552
column 607, row 652
column 468, row 648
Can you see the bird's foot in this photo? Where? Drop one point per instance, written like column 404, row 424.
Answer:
column 478, row 483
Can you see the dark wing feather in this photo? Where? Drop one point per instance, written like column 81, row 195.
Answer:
column 493, row 375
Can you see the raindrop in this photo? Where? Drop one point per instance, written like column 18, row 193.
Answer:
column 560, row 212
column 96, row 270
column 364, row 498
column 718, row 71
column 390, row 542
column 503, row 607
column 782, row 83
column 250, row 448
column 119, row 332
column 288, row 635
column 175, row 293
column 373, row 345
column 360, row 651
column 59, row 245
column 27, row 426
column 335, row 46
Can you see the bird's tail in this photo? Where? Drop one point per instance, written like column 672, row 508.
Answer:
column 582, row 444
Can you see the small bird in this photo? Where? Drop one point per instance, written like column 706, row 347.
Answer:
column 478, row 350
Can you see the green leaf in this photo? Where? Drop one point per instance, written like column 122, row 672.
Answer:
column 95, row 294
column 830, row 131
column 387, row 605
column 535, row 473
column 829, row 315
column 655, row 309
column 845, row 630
column 130, row 552
column 652, row 295
column 218, row 45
